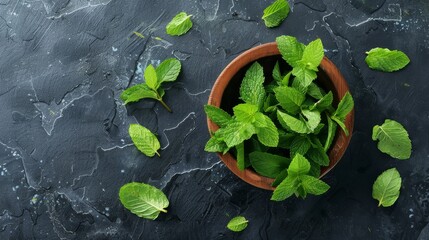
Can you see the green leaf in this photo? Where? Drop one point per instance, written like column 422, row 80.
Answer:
column 324, row 103
column 252, row 89
column 312, row 55
column 285, row 139
column 290, row 49
column 245, row 112
column 285, row 189
column 392, row 139
column 268, row 165
column 341, row 124
column 292, row 123
column 300, row 192
column 150, row 77
column 315, row 91
column 312, row 119
column 344, row 107
column 285, row 80
column 386, row 187
column 304, row 77
column 168, row 70
column 236, row 132
column 276, row 13
column 300, row 145
column 280, row 177
column 314, row 170
column 217, row 115
column 289, row 98
column 266, row 130
column 386, row 60
column 299, row 166
column 237, row 224
column 313, row 185
column 332, row 129
column 214, row 144
column 277, row 75
column 179, row 25
column 143, row 200
column 240, row 156
column 319, row 156
column 144, row 140
column 137, row 92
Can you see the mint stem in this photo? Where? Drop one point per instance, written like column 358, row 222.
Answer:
column 165, row 105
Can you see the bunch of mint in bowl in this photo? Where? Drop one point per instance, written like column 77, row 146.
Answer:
column 280, row 116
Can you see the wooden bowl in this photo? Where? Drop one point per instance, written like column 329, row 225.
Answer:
column 225, row 93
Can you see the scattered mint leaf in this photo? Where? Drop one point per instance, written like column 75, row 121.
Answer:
column 386, row 60
column 236, row 132
column 312, row 119
column 252, row 89
column 291, row 123
column 276, row 13
column 290, row 49
column 392, row 139
column 240, row 156
column 298, row 166
column 150, row 77
column 344, row 107
column 245, row 112
column 313, row 185
column 143, row 200
column 237, row 224
column 217, row 115
column 144, row 140
column 289, row 98
column 168, row 70
column 299, row 145
column 138, row 92
column 179, row 25
column 285, row 189
column 268, row 165
column 386, row 187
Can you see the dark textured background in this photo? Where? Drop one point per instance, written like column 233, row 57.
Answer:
column 65, row 151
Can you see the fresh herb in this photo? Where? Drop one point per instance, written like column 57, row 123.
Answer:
column 288, row 118
column 386, row 60
column 237, row 224
column 276, row 13
column 392, row 139
column 386, row 187
column 144, row 140
column 179, row 25
column 143, row 200
column 167, row 71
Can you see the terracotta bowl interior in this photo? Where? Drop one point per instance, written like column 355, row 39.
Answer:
column 225, row 94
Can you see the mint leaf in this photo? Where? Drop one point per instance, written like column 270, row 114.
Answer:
column 289, row 98
column 290, row 49
column 344, row 107
column 144, row 140
column 138, row 92
column 386, row 60
column 392, row 139
column 237, row 224
column 268, row 165
column 292, row 123
column 285, row 80
column 314, row 170
column 313, row 185
column 299, row 166
column 285, row 189
column 299, row 145
column 217, row 115
column 150, row 77
column 304, row 77
column 143, row 200
column 332, row 129
column 168, row 70
column 245, row 112
column 236, row 132
column 315, row 91
column 277, row 75
column 319, row 156
column 252, row 89
column 280, row 177
column 386, row 187
column 240, row 156
column 276, row 13
column 179, row 25
column 324, row 103
column 216, row 145
column 341, row 124
column 312, row 119
column 312, row 55
column 266, row 130
column 285, row 139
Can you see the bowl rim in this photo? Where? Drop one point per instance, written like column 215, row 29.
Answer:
column 341, row 141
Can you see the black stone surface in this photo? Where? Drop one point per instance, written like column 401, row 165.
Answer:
column 64, row 149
